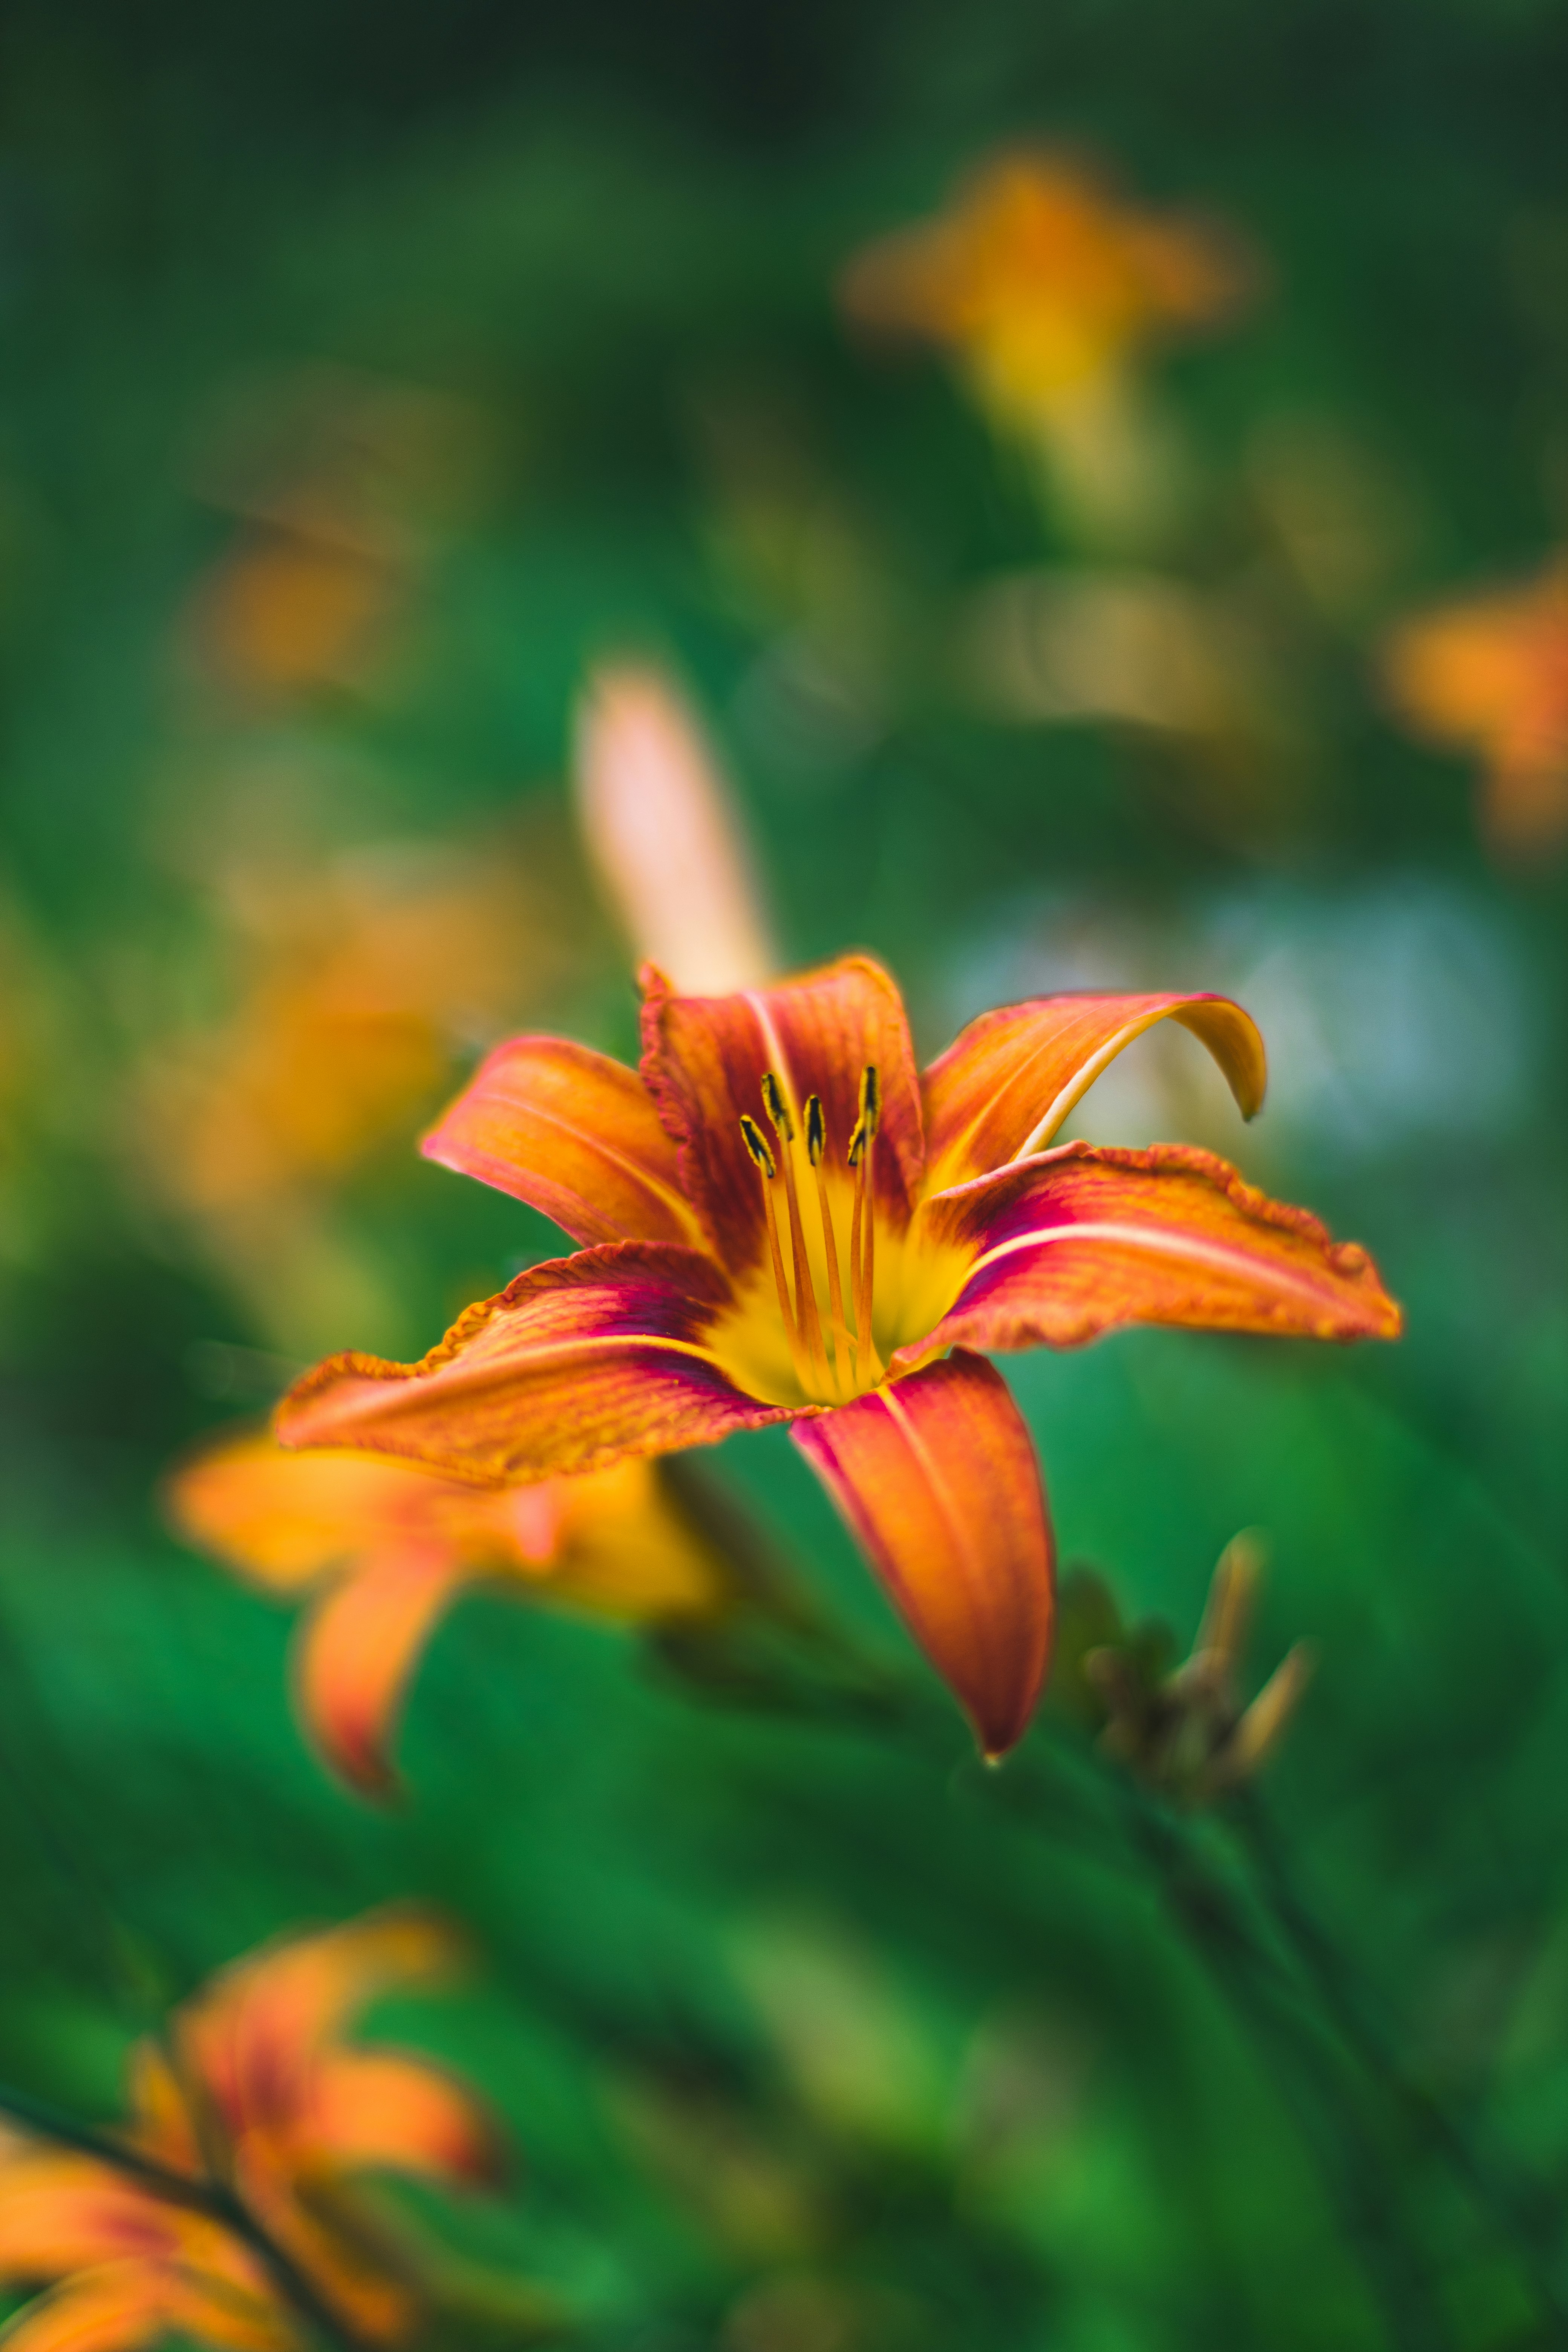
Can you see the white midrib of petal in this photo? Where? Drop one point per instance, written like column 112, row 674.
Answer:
column 1213, row 1254
column 1078, row 1085
column 778, row 1059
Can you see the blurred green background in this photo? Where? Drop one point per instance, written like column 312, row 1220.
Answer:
column 370, row 372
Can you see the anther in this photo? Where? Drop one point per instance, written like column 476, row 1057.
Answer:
column 756, row 1143
column 815, row 1131
column 777, row 1109
column 870, row 1099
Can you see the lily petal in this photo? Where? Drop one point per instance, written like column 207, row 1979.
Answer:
column 62, row 2212
column 576, row 1364
column 629, row 1550
column 574, row 1134
column 283, row 1519
column 359, row 1648
column 375, row 2107
column 1005, row 1083
column 937, row 1478
column 119, row 2308
column 704, row 1062
column 254, row 2036
column 1084, row 1239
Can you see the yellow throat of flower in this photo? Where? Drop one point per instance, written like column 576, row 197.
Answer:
column 823, row 1299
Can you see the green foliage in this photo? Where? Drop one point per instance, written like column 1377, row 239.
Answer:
column 811, row 2034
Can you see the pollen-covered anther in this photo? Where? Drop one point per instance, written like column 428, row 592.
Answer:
column 756, row 1143
column 777, row 1106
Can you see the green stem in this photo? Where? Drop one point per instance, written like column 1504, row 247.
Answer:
column 1249, row 1979
column 1335, row 1982
column 212, row 2198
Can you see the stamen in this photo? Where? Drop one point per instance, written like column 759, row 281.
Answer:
column 778, row 1111
column 777, row 1108
column 863, row 1227
column 816, row 1143
column 756, row 1143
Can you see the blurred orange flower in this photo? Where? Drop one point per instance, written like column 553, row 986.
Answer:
column 389, row 1547
column 284, row 612
column 340, row 480
column 254, row 2097
column 1042, row 283
column 361, row 985
column 1489, row 675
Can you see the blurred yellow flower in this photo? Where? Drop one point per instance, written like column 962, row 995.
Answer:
column 1040, row 282
column 1489, row 675
column 386, row 1548
column 255, row 2098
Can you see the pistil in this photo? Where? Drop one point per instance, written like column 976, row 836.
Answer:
column 778, row 1111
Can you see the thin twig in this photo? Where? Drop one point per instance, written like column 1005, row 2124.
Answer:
column 212, row 2198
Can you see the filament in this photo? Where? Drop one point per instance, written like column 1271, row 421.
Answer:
column 863, row 1225
column 815, row 1142
column 844, row 1367
column 756, row 1144
column 778, row 1111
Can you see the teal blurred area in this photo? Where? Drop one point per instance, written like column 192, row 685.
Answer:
column 373, row 373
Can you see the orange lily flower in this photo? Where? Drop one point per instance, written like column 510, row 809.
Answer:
column 781, row 1220
column 1489, row 674
column 1042, row 283
column 390, row 1547
column 254, row 2093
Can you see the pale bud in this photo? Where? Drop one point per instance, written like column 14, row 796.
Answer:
column 664, row 835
